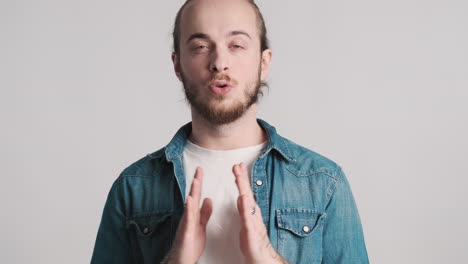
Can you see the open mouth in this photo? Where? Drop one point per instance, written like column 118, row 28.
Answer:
column 220, row 87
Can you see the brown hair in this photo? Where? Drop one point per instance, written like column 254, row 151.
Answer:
column 264, row 43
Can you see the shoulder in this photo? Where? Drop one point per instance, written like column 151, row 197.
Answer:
column 146, row 166
column 308, row 162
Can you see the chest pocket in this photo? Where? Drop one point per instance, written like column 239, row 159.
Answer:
column 300, row 235
column 151, row 235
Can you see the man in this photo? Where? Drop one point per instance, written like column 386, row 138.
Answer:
column 264, row 198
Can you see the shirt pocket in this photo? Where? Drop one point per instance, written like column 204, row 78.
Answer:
column 151, row 235
column 300, row 234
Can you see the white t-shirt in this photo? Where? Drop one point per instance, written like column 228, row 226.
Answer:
column 223, row 228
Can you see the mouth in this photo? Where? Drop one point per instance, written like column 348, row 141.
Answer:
column 220, row 87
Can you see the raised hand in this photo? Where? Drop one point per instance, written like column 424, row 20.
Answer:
column 254, row 242
column 190, row 237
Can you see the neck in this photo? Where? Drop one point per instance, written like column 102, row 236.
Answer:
column 244, row 132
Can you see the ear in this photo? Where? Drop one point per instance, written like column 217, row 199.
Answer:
column 176, row 62
column 266, row 61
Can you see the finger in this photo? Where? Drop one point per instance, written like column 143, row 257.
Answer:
column 242, row 179
column 185, row 216
column 195, row 189
column 189, row 213
column 205, row 212
column 244, row 206
column 257, row 218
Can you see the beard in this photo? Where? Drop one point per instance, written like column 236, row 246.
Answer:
column 211, row 109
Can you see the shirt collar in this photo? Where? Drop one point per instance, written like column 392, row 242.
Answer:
column 175, row 147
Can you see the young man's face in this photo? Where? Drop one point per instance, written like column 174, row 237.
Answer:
column 220, row 62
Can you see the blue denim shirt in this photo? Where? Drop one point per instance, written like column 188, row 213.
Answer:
column 306, row 202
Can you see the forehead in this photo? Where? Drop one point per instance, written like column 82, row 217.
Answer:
column 218, row 17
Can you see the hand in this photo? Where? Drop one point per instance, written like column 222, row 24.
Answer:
column 190, row 237
column 254, row 242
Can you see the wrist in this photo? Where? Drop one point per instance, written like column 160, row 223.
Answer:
column 171, row 258
column 272, row 257
column 174, row 258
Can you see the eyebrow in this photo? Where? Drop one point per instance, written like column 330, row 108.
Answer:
column 206, row 36
column 240, row 32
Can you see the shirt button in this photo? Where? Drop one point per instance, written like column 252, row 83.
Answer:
column 306, row 229
column 259, row 183
column 146, row 230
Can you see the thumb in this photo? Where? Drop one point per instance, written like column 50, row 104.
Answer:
column 205, row 211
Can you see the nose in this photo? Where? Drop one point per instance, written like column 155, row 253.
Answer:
column 219, row 61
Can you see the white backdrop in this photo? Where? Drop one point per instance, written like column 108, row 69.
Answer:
column 380, row 87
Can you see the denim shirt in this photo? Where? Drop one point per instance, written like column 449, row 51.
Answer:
column 306, row 203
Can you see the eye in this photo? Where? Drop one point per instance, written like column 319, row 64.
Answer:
column 199, row 47
column 235, row 46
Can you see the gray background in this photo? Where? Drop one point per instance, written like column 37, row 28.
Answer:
column 380, row 87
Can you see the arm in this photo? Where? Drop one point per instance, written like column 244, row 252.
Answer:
column 112, row 241
column 343, row 238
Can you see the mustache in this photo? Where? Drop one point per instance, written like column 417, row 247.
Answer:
column 223, row 77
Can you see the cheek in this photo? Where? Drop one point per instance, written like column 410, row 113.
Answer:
column 250, row 60
column 194, row 68
column 248, row 69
